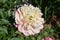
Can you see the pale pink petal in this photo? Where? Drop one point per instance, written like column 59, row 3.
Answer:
column 25, row 18
column 48, row 38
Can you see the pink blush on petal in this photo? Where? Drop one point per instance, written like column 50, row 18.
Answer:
column 26, row 33
column 20, row 28
column 43, row 39
column 16, row 25
column 48, row 38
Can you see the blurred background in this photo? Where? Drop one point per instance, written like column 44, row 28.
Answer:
column 51, row 14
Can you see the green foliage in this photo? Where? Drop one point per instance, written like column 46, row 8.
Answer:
column 7, row 28
column 48, row 32
column 39, row 37
column 16, row 38
column 4, row 29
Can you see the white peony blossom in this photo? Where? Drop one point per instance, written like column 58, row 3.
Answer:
column 29, row 20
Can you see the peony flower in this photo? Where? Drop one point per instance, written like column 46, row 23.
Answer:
column 29, row 20
column 48, row 38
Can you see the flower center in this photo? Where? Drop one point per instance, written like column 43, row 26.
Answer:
column 30, row 18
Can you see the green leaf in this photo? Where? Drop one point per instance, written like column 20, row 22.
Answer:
column 4, row 29
column 1, row 13
column 9, row 13
column 45, row 34
column 4, row 21
column 17, row 32
column 27, row 38
column 2, row 34
column 39, row 37
column 45, row 11
column 21, row 38
column 15, row 38
column 3, row 1
column 36, row 1
column 33, row 38
column 58, row 0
